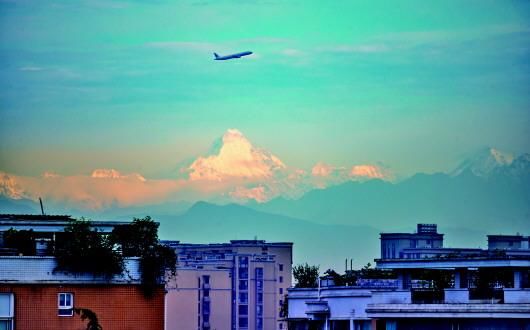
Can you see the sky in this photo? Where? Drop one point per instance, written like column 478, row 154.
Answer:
column 415, row 86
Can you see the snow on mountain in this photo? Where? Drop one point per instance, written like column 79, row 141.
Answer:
column 492, row 162
column 9, row 187
column 236, row 157
column 103, row 173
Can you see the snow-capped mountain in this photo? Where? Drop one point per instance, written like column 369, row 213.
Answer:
column 491, row 162
column 485, row 162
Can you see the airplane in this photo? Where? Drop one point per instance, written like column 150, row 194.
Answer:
column 229, row 57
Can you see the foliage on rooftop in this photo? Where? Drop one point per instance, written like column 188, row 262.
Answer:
column 85, row 250
column 140, row 239
column 306, row 276
column 21, row 240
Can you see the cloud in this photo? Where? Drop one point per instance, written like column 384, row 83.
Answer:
column 292, row 52
column 362, row 48
column 233, row 170
column 195, row 46
column 31, row 68
column 114, row 174
column 95, row 192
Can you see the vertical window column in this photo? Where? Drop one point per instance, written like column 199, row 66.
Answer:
column 259, row 298
column 242, row 309
column 205, row 302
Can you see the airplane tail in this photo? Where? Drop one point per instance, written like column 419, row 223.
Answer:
column 216, row 55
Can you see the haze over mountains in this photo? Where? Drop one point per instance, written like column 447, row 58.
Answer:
column 330, row 213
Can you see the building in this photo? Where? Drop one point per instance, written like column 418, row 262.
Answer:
column 33, row 295
column 433, row 287
column 238, row 285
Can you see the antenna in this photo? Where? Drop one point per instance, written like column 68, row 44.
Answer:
column 41, row 207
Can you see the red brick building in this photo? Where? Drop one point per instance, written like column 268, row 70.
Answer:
column 33, row 295
column 36, row 306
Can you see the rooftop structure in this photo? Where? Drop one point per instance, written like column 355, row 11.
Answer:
column 447, row 287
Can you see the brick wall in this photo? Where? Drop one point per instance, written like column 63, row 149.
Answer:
column 120, row 307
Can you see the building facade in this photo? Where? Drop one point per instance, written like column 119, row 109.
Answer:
column 433, row 288
column 238, row 285
column 34, row 295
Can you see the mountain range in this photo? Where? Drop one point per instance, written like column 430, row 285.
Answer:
column 487, row 193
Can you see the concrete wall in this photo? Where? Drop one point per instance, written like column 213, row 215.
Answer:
column 456, row 296
column 516, row 296
column 184, row 296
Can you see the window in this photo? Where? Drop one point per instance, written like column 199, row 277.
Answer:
column 281, row 279
column 205, row 307
column 206, row 279
column 243, row 285
column 243, row 309
column 243, row 297
column 65, row 302
column 281, row 290
column 243, row 322
column 7, row 313
column 281, row 267
column 281, row 326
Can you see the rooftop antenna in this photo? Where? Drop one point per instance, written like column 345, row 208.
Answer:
column 41, row 207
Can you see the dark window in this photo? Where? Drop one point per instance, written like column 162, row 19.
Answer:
column 206, row 279
column 281, row 290
column 281, row 267
column 243, row 272
column 243, row 285
column 205, row 307
column 243, row 309
column 243, row 297
column 281, row 279
column 243, row 322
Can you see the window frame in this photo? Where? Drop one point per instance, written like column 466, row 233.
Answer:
column 69, row 307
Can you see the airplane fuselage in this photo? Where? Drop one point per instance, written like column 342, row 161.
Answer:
column 229, row 57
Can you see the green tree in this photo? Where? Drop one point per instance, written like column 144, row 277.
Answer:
column 84, row 250
column 306, row 276
column 367, row 272
column 140, row 239
column 338, row 279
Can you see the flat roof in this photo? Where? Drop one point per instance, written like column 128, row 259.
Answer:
column 511, row 261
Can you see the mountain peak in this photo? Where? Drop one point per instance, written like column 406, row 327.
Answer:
column 485, row 162
column 235, row 157
column 9, row 187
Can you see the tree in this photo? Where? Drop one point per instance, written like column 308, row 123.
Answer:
column 367, row 272
column 93, row 322
column 21, row 240
column 306, row 276
column 84, row 250
column 338, row 280
column 140, row 239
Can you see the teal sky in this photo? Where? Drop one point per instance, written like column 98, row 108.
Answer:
column 132, row 85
